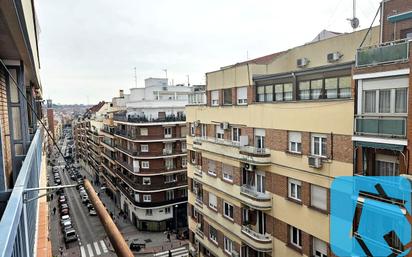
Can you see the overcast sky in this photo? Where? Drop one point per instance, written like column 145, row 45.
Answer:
column 89, row 48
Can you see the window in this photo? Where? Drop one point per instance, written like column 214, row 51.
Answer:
column 169, row 163
column 220, row 133
column 386, row 165
column 203, row 130
column 183, row 131
column 215, row 98
column 228, row 210
column 385, row 100
column 167, row 210
column 295, row 237
column 318, row 197
column 241, row 95
column 144, row 148
column 260, row 93
column 183, row 146
column 228, row 244
column 213, row 234
column 170, row 178
column 259, row 138
column 212, row 201
column 192, row 129
column 144, row 132
column 269, row 93
column 331, row 87
column 184, row 161
column 170, row 195
column 227, row 171
column 147, row 198
column 149, row 212
column 316, row 89
column 283, row 92
column 168, row 132
column 212, row 167
column 295, row 142
column 345, row 87
column 320, row 248
column 304, row 90
column 146, row 181
column 319, row 145
column 295, row 189
column 236, row 134
column 227, row 96
column 145, row 164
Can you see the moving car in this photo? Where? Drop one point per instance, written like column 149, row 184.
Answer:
column 135, row 246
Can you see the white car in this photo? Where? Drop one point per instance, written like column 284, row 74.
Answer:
column 65, row 218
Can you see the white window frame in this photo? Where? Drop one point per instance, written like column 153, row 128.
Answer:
column 149, row 212
column 214, row 237
column 146, row 181
column 183, row 146
column 220, row 133
column 228, row 245
column 145, row 164
column 214, row 95
column 312, row 144
column 147, row 198
column 320, row 248
column 213, row 203
column 299, row 240
column 171, row 194
column 144, row 148
column 167, row 210
column 293, row 186
column 144, row 132
column 184, row 161
column 227, row 176
column 241, row 97
column 236, row 135
column 192, row 129
column 392, row 160
column 322, row 197
column 203, row 130
column 168, row 132
column 173, row 176
column 211, row 171
column 230, row 213
column 295, row 142
column 169, row 163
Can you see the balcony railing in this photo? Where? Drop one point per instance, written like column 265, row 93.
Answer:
column 252, row 192
column 256, row 235
column 385, row 126
column 216, row 140
column 391, row 52
column 18, row 222
column 255, row 151
column 197, row 98
column 145, row 119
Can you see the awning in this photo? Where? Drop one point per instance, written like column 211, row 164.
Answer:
column 400, row 17
column 380, row 146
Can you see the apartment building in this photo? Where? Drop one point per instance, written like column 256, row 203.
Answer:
column 22, row 157
column 150, row 155
column 265, row 147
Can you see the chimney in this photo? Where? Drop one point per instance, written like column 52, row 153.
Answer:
column 121, row 93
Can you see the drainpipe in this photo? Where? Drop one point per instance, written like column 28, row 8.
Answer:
column 116, row 239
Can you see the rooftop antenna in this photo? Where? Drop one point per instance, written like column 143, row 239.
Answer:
column 165, row 70
column 188, row 80
column 135, row 77
column 354, row 22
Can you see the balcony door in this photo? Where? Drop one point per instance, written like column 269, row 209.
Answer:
column 386, row 165
column 259, row 138
column 260, row 182
column 260, row 222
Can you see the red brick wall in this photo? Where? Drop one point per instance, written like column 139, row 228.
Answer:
column 388, row 27
column 251, row 94
column 342, row 148
column 276, row 139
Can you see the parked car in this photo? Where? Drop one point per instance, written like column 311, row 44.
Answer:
column 67, row 225
column 89, row 206
column 64, row 206
column 135, row 246
column 92, row 212
column 64, row 212
column 65, row 218
column 70, row 236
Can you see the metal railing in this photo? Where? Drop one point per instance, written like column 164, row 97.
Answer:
column 385, row 126
column 254, row 150
column 197, row 98
column 18, row 224
column 256, row 235
column 391, row 52
column 217, row 141
column 251, row 191
column 144, row 119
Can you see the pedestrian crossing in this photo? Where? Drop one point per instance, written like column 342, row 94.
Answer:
column 93, row 249
column 178, row 252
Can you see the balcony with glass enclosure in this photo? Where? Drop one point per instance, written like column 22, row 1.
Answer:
column 390, row 52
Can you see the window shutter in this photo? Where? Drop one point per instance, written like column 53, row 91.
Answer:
column 319, row 197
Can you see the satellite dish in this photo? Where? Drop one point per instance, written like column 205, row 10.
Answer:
column 354, row 22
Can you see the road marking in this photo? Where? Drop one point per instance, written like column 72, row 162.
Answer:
column 104, row 248
column 89, row 248
column 96, row 247
column 83, row 252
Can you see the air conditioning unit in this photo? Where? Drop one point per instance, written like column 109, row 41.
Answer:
column 334, row 57
column 302, row 62
column 249, row 167
column 315, row 162
column 224, row 125
column 235, row 254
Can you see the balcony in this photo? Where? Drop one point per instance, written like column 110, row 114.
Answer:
column 197, row 170
column 259, row 242
column 381, row 126
column 253, row 193
column 144, row 119
column 197, row 98
column 391, row 52
column 255, row 155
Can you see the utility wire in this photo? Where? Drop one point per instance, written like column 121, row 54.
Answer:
column 33, row 110
column 370, row 27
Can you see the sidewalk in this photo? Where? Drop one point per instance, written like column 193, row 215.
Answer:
column 155, row 241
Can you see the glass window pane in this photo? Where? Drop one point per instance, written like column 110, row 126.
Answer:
column 331, row 86
column 15, row 112
column 288, row 91
column 385, row 101
column 344, row 87
column 279, row 92
column 304, row 92
column 400, row 100
column 316, row 88
column 370, row 101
